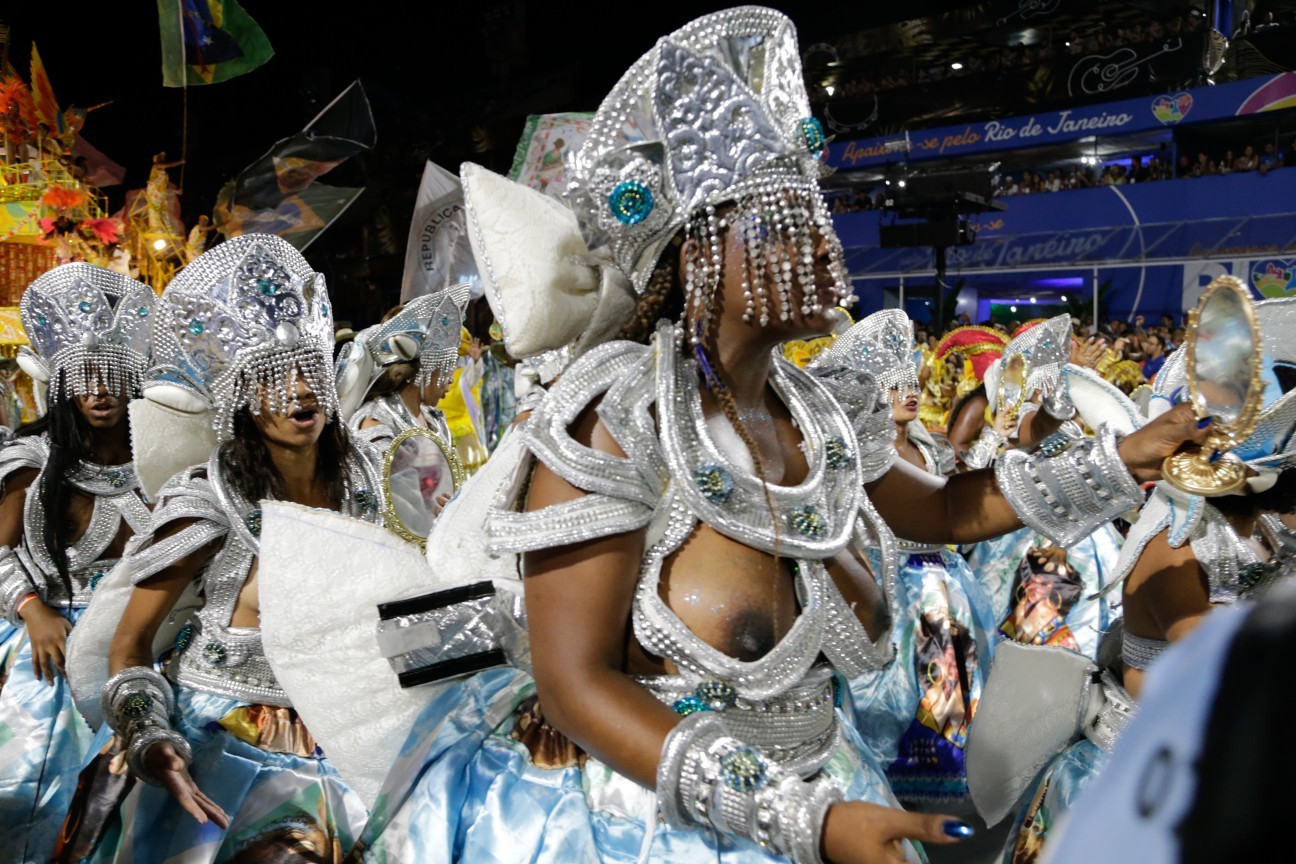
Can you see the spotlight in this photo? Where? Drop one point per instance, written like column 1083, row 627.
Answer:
column 829, row 89
column 1012, row 308
column 1064, row 298
column 956, row 65
column 902, row 184
column 1032, row 299
column 159, row 245
column 1068, row 44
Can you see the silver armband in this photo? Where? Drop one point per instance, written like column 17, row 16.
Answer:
column 1068, row 488
column 137, row 703
column 709, row 779
column 15, row 584
column 985, row 450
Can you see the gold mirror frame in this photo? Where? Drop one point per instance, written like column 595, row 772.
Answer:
column 457, row 474
column 1003, row 406
column 1214, row 470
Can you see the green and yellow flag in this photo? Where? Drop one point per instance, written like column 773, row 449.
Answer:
column 208, row 41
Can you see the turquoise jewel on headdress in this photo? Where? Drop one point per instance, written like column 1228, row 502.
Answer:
column 137, row 705
column 253, row 521
column 142, row 311
column 631, row 202
column 214, row 653
column 813, row 135
column 689, row 705
column 718, row 695
column 85, row 306
column 42, row 320
column 807, row 521
column 714, row 482
column 196, row 327
column 836, row 453
column 267, row 287
column 184, row 638
column 743, row 769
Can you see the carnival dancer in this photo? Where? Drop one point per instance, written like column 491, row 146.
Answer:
column 915, row 713
column 685, row 546
column 1042, row 594
column 400, row 369
column 1184, row 555
column 979, row 347
column 229, row 771
column 71, row 501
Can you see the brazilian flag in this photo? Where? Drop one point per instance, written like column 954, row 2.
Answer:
column 207, row 41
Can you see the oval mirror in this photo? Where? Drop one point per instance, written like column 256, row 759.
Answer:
column 1223, row 356
column 421, row 474
column 1012, row 389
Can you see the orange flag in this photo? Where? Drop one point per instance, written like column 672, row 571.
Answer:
column 47, row 110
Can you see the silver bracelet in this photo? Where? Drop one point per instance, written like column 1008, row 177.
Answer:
column 707, row 778
column 985, row 450
column 136, row 698
column 15, row 584
column 1065, row 492
column 138, row 747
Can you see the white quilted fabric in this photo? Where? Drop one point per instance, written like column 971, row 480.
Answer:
column 534, row 262
column 165, row 441
column 321, row 577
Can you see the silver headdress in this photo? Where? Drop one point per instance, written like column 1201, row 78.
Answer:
column 425, row 331
column 89, row 325
column 881, row 345
column 715, row 113
column 242, row 322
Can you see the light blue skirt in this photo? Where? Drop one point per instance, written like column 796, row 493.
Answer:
column 43, row 742
column 914, row 714
column 463, row 790
column 282, row 807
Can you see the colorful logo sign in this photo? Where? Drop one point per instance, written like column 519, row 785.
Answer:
column 1173, row 108
column 1274, row 277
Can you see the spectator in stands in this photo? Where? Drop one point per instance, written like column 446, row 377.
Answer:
column 1204, row 166
column 1154, row 349
column 1269, row 158
column 1248, row 161
column 1054, row 181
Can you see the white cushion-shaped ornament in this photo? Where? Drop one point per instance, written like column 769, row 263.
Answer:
column 324, row 650
column 165, row 439
column 354, row 374
column 1099, row 401
column 533, row 261
column 32, row 365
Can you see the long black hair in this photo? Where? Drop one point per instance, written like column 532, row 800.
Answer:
column 69, row 437
column 251, row 471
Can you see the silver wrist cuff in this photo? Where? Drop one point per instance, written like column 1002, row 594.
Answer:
column 15, row 584
column 146, row 738
column 985, row 450
column 1065, row 491
column 137, row 698
column 1058, row 406
column 706, row 778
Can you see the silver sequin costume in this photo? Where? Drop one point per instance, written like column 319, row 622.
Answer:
column 394, row 418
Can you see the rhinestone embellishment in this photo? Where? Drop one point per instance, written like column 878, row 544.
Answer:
column 837, row 454
column 93, row 581
column 214, row 653
column 142, row 311
column 631, row 202
column 117, row 479
column 253, row 521
column 1055, row 445
column 85, row 306
column 267, row 287
column 689, row 705
column 743, row 769
column 365, row 499
column 184, row 638
column 137, row 705
column 718, row 695
column 808, row 522
column 813, row 135
column 714, row 482
column 196, row 327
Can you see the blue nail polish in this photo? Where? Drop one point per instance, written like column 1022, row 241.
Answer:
column 1204, row 422
column 957, row 828
column 1215, row 457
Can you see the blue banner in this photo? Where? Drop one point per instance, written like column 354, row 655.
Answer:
column 1143, row 114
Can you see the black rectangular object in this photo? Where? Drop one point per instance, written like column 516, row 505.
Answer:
column 942, row 233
